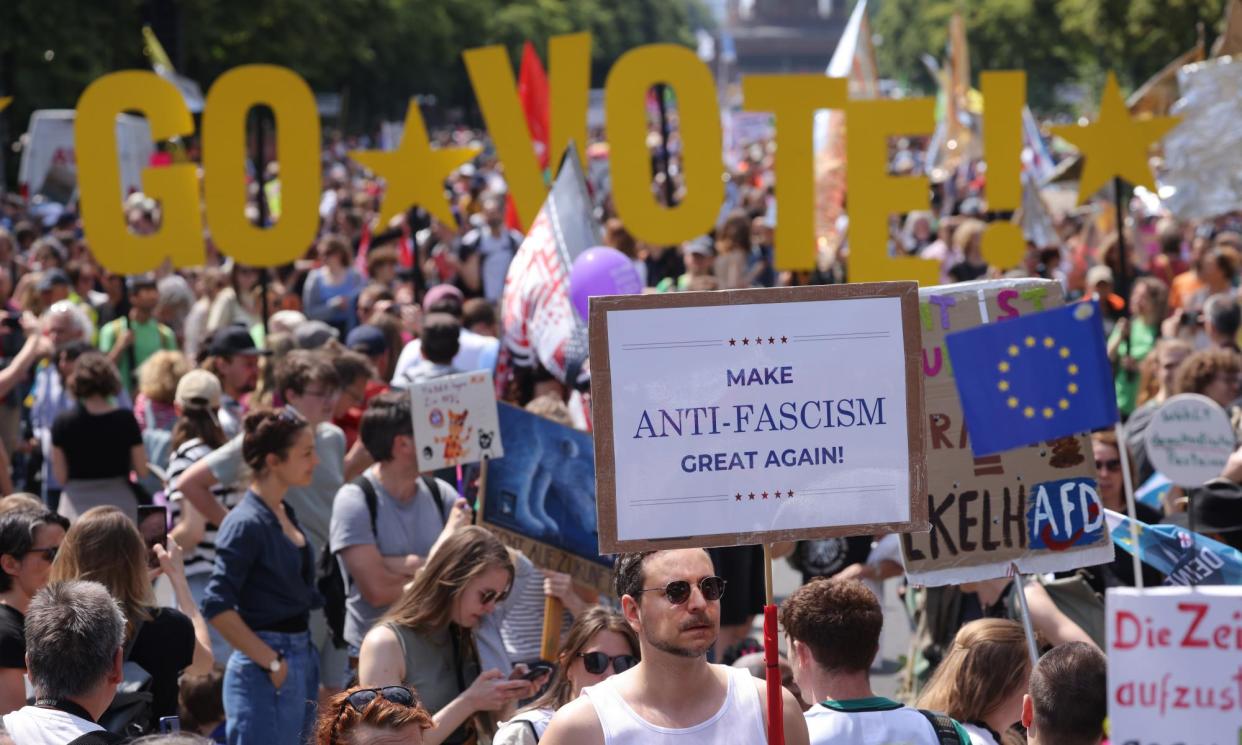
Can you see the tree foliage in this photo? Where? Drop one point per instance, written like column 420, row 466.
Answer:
column 1057, row 42
column 376, row 52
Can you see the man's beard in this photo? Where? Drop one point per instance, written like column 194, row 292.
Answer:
column 670, row 647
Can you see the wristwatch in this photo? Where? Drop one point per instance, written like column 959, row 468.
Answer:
column 274, row 666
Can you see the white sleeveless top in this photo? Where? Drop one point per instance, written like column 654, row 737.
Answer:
column 739, row 720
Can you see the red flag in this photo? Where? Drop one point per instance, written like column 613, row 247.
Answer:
column 406, row 247
column 511, row 216
column 533, row 92
column 771, row 657
column 364, row 245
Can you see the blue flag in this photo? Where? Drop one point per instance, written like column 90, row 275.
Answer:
column 1185, row 558
column 1036, row 377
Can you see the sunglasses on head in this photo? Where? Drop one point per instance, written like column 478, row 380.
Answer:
column 1113, row 464
column 597, row 662
column 678, row 591
column 361, row 699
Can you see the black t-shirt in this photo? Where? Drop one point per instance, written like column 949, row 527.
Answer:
column 164, row 648
column 12, row 638
column 966, row 271
column 96, row 446
column 825, row 557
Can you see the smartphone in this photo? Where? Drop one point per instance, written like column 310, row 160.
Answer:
column 153, row 524
column 536, row 671
column 170, row 725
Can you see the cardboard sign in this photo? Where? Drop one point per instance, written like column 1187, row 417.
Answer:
column 455, row 420
column 1189, row 439
column 751, row 416
column 1175, row 665
column 1034, row 506
column 540, row 498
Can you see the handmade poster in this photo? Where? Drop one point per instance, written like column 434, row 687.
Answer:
column 1033, row 506
column 1189, row 439
column 751, row 416
column 540, row 498
column 1175, row 665
column 455, row 420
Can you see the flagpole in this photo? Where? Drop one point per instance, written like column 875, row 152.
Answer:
column 666, row 160
column 261, row 180
column 771, row 657
column 1122, row 282
column 1120, row 432
column 1027, row 629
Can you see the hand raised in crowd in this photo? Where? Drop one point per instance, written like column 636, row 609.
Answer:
column 124, row 340
column 561, row 586
column 492, row 691
column 172, row 562
column 460, row 516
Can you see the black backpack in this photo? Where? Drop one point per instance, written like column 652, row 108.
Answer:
column 331, row 580
column 947, row 732
column 132, row 709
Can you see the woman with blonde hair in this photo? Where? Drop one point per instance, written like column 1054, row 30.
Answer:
column 157, row 387
column 982, row 679
column 104, row 546
column 599, row 644
column 426, row 639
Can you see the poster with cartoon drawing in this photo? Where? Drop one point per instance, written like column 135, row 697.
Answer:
column 455, row 420
column 540, row 498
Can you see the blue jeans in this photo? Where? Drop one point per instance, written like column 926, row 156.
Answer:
column 259, row 713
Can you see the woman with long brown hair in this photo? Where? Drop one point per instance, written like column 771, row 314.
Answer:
column 104, row 546
column 426, row 639
column 599, row 644
column 982, row 679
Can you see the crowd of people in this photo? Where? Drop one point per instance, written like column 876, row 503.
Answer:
column 303, row 580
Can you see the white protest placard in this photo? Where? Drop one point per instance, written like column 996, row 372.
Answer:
column 1189, row 439
column 1175, row 665
column 750, row 416
column 455, row 420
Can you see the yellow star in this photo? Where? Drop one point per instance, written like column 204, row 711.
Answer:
column 1072, row 387
column 1063, row 404
column 1028, row 412
column 1073, row 369
column 1003, row 367
column 414, row 173
column 1047, row 413
column 1115, row 144
column 1003, row 385
column 5, row 101
column 1013, row 402
column 1048, row 342
column 1065, row 353
column 1013, row 350
column 1030, row 341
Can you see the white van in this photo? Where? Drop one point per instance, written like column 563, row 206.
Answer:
column 49, row 165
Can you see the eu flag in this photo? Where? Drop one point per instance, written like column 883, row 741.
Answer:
column 1033, row 378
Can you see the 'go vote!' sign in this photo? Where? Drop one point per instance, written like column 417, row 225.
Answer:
column 751, row 416
column 1175, row 665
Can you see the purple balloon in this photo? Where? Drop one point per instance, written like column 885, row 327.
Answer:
column 601, row 271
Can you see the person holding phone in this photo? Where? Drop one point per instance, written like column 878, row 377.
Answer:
column 426, row 639
column 262, row 588
column 599, row 645
column 105, row 546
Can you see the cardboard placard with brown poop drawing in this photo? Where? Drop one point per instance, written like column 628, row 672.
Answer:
column 1034, row 506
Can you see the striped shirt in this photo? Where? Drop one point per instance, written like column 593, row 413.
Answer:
column 191, row 451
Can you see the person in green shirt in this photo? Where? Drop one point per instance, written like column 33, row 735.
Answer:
column 1134, row 337
column 130, row 340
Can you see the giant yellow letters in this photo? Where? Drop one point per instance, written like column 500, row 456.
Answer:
column 224, row 151
column 793, row 99
column 625, row 105
column 180, row 236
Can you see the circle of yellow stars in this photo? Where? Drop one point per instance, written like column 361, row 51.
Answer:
column 1006, row 365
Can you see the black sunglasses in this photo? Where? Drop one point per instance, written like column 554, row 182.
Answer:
column 597, row 662
column 360, row 699
column 49, row 553
column 490, row 596
column 678, row 591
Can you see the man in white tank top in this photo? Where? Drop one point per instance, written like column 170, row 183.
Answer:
column 673, row 697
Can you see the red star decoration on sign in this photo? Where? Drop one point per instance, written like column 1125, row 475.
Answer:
column 733, row 342
column 784, row 340
column 777, row 493
column 791, row 492
column 765, row 495
column 752, row 496
column 771, row 339
column 738, row 497
column 758, row 339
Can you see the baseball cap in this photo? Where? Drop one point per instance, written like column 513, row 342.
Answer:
column 314, row 334
column 1097, row 274
column 231, row 340
column 51, row 278
column 141, row 281
column 367, row 339
column 199, row 388
column 439, row 294
column 702, row 246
